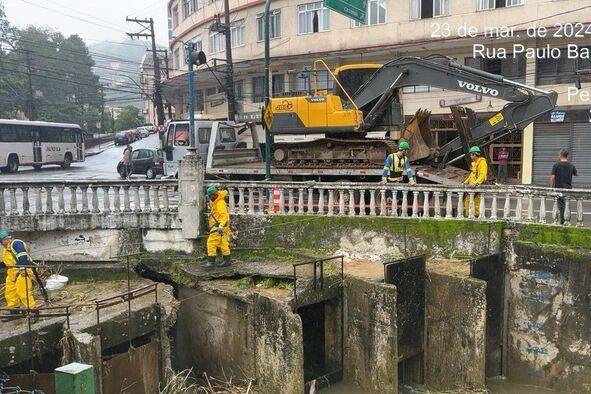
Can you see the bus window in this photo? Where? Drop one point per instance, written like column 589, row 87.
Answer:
column 227, row 134
column 203, row 135
column 181, row 135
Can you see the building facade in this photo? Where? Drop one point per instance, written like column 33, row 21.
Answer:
column 474, row 32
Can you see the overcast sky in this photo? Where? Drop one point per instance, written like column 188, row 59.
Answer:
column 93, row 20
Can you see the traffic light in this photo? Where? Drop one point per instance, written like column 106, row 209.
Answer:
column 196, row 58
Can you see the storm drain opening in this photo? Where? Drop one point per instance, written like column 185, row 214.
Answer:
column 491, row 269
column 408, row 275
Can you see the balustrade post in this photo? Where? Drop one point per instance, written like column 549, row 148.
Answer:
column 241, row 199
column 437, row 204
column 555, row 213
column 281, row 201
column 519, row 208
column 448, row 204
column 2, row 203
column 84, row 196
column 261, row 192
column 383, row 202
column 341, row 202
column 493, row 207
column 579, row 212
column 330, row 202
column 49, row 200
column 116, row 199
column 95, row 199
column 471, row 207
column 26, row 204
column 372, row 202
column 542, row 213
column 137, row 199
column 300, row 201
column 147, row 202
column 507, row 206
column 351, row 202
column 567, row 210
column 251, row 200
column 106, row 200
column 156, row 189
column 482, row 207
column 166, row 201
column 426, row 204
column 232, row 206
column 320, row 202
column 290, row 202
column 13, row 203
column 404, row 208
column 61, row 206
column 415, row 204
column 530, row 208
column 73, row 199
column 460, row 207
column 126, row 199
column 310, row 200
column 362, row 202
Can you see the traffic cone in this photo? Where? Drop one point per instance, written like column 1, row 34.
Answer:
column 276, row 199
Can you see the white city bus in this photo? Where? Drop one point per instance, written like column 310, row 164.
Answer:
column 25, row 143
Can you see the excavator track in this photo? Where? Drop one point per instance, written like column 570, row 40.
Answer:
column 333, row 153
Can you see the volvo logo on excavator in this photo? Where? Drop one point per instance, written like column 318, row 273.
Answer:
column 478, row 88
column 285, row 105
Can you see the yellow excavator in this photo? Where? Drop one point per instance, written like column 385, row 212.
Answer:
column 358, row 122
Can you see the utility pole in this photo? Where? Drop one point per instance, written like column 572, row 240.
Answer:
column 167, row 73
column 102, row 109
column 268, row 138
column 30, row 110
column 226, row 29
column 148, row 32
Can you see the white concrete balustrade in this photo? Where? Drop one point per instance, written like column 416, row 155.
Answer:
column 85, row 197
column 508, row 203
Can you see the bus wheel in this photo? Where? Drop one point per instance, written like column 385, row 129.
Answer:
column 67, row 161
column 37, row 167
column 12, row 163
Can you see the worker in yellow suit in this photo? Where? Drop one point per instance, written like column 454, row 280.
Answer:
column 19, row 284
column 219, row 227
column 476, row 177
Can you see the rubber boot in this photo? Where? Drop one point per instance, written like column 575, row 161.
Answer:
column 226, row 261
column 210, row 262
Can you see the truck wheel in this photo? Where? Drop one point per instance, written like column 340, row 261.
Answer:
column 67, row 161
column 150, row 173
column 12, row 163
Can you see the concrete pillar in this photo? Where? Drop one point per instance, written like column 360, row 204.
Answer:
column 191, row 177
column 85, row 348
column 74, row 378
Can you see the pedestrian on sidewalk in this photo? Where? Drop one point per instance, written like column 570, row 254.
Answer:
column 127, row 162
column 18, row 289
column 503, row 159
column 562, row 178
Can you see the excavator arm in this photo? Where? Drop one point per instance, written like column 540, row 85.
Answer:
column 525, row 103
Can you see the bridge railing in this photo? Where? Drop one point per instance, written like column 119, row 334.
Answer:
column 509, row 203
column 85, row 197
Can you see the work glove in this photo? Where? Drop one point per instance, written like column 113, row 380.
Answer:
column 412, row 182
column 219, row 230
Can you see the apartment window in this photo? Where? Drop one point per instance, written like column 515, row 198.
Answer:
column 237, row 33
column 170, row 35
column 510, row 68
column 211, row 91
column 274, row 25
column 376, row 14
column 423, row 9
column 217, row 42
column 239, row 89
column 175, row 16
column 312, row 18
column 420, row 89
column 324, row 81
column 561, row 70
column 258, row 89
column 482, row 5
column 197, row 5
column 278, row 84
column 176, row 58
column 186, row 8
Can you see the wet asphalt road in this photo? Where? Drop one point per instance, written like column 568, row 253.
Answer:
column 101, row 166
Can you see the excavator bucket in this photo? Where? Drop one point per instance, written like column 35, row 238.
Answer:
column 419, row 136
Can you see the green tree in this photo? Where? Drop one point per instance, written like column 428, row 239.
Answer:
column 128, row 118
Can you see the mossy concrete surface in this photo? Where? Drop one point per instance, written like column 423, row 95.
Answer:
column 456, row 332
column 371, row 350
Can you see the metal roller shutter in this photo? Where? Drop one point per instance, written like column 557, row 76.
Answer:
column 581, row 154
column 549, row 138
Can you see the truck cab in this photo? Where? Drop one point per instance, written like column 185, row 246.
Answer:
column 214, row 141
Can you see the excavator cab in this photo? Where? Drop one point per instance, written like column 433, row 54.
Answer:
column 351, row 77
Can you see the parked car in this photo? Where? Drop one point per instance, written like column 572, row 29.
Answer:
column 133, row 134
column 122, row 138
column 149, row 162
column 151, row 129
column 143, row 131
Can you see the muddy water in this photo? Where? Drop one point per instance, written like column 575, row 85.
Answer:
column 493, row 386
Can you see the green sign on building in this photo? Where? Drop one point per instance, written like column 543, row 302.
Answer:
column 354, row 9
